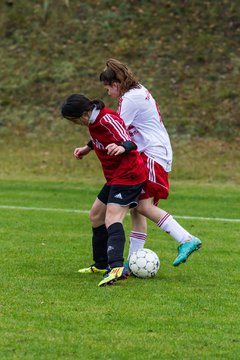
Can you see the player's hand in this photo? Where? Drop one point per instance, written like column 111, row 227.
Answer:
column 114, row 149
column 79, row 153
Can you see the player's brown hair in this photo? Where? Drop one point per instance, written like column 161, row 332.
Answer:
column 116, row 71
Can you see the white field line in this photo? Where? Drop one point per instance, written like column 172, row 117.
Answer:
column 9, row 207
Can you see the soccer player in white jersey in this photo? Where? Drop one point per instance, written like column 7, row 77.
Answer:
column 142, row 117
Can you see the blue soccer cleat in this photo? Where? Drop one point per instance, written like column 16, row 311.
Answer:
column 126, row 265
column 186, row 249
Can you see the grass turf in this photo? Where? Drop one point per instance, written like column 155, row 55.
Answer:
column 185, row 53
column 49, row 311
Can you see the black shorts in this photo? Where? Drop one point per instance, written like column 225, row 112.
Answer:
column 124, row 195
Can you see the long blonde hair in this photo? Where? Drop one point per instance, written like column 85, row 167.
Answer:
column 115, row 71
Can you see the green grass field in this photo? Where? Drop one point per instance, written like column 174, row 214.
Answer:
column 187, row 54
column 49, row 311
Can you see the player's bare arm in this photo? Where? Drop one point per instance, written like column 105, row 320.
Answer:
column 79, row 153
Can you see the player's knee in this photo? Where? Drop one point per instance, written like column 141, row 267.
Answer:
column 134, row 212
column 136, row 215
column 141, row 209
column 111, row 218
column 91, row 217
column 95, row 217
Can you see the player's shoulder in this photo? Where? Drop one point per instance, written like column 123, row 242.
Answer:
column 108, row 114
column 139, row 93
column 110, row 118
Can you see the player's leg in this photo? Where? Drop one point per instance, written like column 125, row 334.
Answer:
column 187, row 242
column 97, row 213
column 164, row 220
column 138, row 233
column 116, row 235
column 99, row 234
column 119, row 201
column 156, row 188
column 116, row 241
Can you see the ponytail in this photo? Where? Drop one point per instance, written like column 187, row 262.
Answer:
column 99, row 104
column 115, row 71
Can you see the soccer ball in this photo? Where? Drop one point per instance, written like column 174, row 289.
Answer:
column 144, row 263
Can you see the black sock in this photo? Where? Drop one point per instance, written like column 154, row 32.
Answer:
column 99, row 246
column 116, row 241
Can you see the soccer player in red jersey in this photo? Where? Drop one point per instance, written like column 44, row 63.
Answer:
column 125, row 174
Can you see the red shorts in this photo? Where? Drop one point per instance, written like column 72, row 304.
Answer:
column 156, row 186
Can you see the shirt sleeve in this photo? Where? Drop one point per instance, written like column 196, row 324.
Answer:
column 117, row 131
column 127, row 110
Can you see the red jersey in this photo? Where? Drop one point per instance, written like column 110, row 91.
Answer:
column 125, row 169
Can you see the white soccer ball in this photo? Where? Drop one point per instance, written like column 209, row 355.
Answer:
column 144, row 263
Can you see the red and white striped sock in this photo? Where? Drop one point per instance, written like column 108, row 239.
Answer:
column 137, row 241
column 173, row 228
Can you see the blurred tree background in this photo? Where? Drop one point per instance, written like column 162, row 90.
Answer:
column 187, row 53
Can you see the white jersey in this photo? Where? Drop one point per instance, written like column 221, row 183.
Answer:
column 143, row 120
